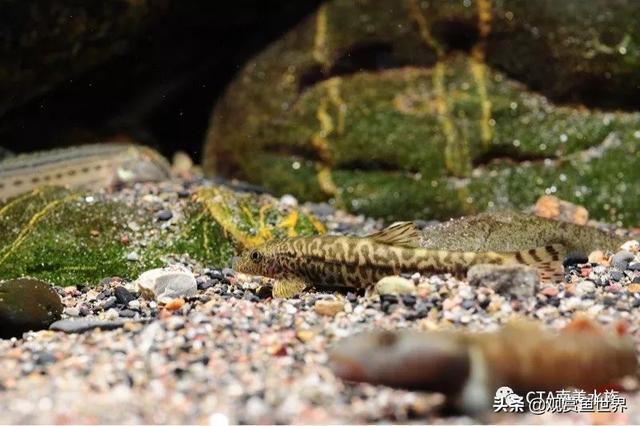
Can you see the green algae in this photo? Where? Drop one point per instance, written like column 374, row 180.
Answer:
column 437, row 133
column 69, row 238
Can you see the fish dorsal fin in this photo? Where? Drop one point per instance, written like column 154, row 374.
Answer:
column 403, row 234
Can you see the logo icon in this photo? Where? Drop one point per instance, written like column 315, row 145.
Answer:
column 508, row 401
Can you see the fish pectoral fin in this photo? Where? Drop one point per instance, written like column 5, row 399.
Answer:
column 547, row 260
column 287, row 288
column 403, row 234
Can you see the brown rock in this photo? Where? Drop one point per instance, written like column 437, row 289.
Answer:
column 551, row 207
column 174, row 305
column 633, row 288
column 305, row 335
column 328, row 307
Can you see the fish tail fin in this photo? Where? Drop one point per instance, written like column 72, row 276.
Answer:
column 547, row 260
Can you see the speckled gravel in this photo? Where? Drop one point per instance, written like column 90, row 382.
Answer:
column 229, row 355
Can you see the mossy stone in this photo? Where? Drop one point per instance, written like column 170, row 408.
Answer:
column 27, row 304
column 78, row 237
column 424, row 131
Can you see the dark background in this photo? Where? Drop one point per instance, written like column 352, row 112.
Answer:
column 160, row 90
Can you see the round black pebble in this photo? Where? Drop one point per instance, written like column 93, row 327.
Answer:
column 164, row 215
column 123, row 296
column 574, row 258
column 409, row 299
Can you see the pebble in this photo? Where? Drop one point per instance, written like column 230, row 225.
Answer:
column 328, row 307
column 134, row 304
column 585, row 287
column 165, row 284
column 598, row 257
column 174, row 304
column 550, row 291
column 515, row 280
column 108, row 303
column 395, row 285
column 164, row 215
column 634, row 288
column 123, row 296
column 133, row 256
column 288, row 201
column 84, row 324
column 616, row 275
column 632, row 245
column 621, row 260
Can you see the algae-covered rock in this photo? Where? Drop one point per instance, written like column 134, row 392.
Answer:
column 27, row 304
column 70, row 237
column 366, row 104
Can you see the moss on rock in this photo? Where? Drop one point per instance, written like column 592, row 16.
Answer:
column 424, row 131
column 66, row 237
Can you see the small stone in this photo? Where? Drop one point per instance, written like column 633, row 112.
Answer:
column 616, row 275
column 288, row 200
column 305, row 335
column 111, row 314
column 204, row 283
column 328, row 307
column 516, row 280
column 409, row 299
column 614, row 288
column 551, row 207
column 632, row 245
column 585, row 287
column 164, row 215
column 127, row 313
column 228, row 272
column 621, row 260
column 134, row 304
column 108, row 303
column 550, row 291
column 174, row 304
column 165, row 284
column 449, row 303
column 133, row 256
column 123, row 296
column 635, row 266
column 634, row 288
column 597, row 257
column 44, row 358
column 84, row 324
column 395, row 285
column 72, row 312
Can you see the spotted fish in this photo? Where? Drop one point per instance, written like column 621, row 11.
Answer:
column 359, row 262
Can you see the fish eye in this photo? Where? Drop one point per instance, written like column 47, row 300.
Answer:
column 255, row 256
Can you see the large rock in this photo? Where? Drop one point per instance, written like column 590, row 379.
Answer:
column 364, row 103
column 69, row 237
column 27, row 304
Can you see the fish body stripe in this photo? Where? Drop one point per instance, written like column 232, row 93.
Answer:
column 359, row 262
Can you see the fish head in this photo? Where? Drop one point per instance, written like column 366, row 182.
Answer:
column 435, row 361
column 263, row 260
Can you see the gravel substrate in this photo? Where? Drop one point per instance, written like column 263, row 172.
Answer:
column 226, row 355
